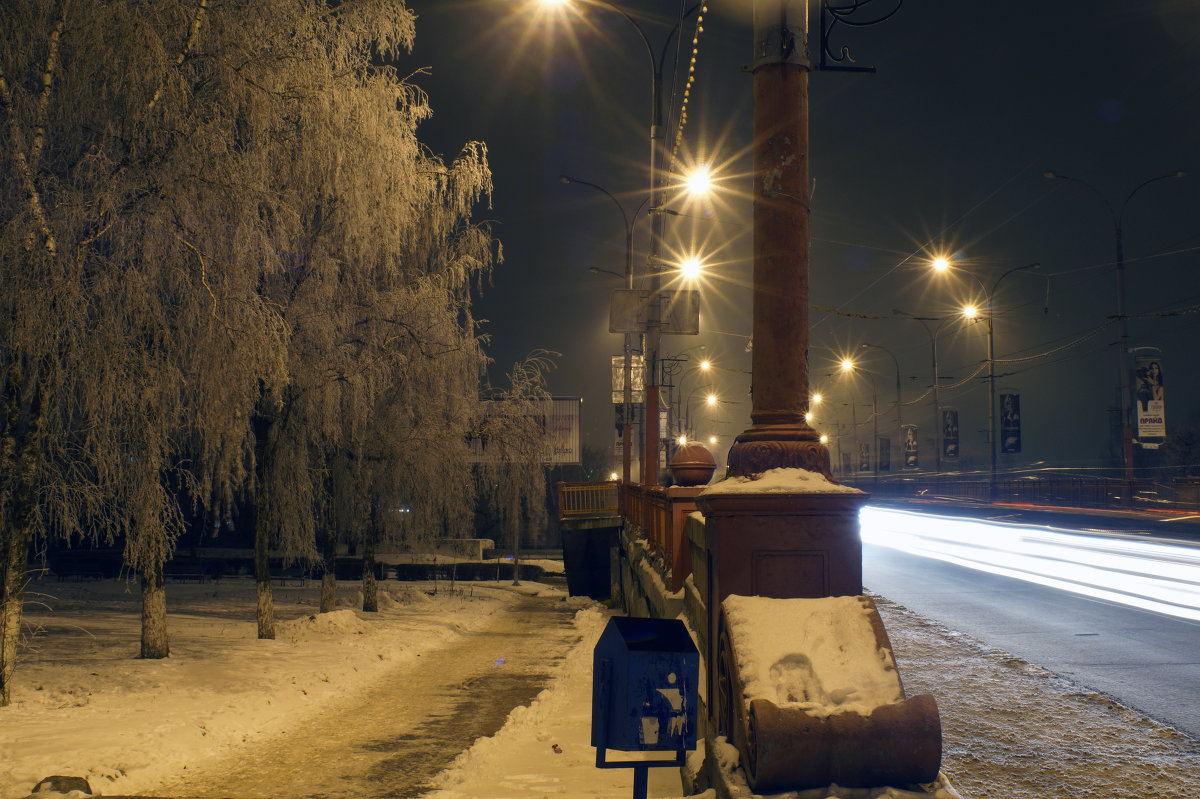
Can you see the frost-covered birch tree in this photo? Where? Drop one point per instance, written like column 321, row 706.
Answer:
column 512, row 474
column 375, row 231
column 134, row 341
column 415, row 479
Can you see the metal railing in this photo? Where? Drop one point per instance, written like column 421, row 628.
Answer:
column 588, row 499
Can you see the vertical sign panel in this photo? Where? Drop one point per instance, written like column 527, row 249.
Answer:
column 1150, row 407
column 1010, row 422
column 910, row 447
column 949, row 433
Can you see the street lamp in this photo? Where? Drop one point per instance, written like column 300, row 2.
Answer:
column 899, row 419
column 627, row 398
column 933, row 334
column 849, row 367
column 972, row 312
column 657, row 189
column 1117, row 216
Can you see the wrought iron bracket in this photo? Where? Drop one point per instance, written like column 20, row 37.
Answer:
column 850, row 13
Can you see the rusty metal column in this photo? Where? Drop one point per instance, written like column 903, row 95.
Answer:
column 778, row 435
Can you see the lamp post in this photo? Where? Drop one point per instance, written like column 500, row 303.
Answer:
column 850, row 367
column 650, row 472
column 627, row 399
column 937, row 408
column 971, row 312
column 899, row 419
column 1117, row 215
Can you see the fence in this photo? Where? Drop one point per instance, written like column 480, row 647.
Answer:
column 588, row 499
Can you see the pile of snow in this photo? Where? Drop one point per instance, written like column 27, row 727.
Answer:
column 780, row 481
column 321, row 625
column 819, row 655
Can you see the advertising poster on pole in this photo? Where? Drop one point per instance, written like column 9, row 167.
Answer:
column 910, row 446
column 949, row 433
column 1150, row 407
column 883, row 445
column 864, row 457
column 1010, row 422
column 637, row 374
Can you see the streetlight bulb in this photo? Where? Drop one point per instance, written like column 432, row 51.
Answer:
column 682, row 440
column 690, row 268
column 711, row 399
column 612, row 475
column 847, row 365
column 824, row 439
column 705, row 366
column 970, row 311
column 940, row 264
column 808, row 417
column 816, row 399
column 699, row 180
column 712, row 439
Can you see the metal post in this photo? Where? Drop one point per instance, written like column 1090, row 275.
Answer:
column 991, row 356
column 1118, row 217
column 899, row 417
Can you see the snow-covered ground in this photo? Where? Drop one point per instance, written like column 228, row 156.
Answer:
column 84, row 705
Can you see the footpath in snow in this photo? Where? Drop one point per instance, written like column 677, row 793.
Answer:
column 84, row 705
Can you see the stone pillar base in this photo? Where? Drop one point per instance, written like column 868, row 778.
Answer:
column 803, row 545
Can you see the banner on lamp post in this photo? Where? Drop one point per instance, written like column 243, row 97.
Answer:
column 864, row 457
column 910, row 446
column 1149, row 403
column 1010, row 422
column 949, row 433
column 637, row 382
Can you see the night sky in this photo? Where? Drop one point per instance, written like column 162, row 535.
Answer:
column 942, row 151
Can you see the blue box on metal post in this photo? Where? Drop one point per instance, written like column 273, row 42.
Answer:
column 645, row 686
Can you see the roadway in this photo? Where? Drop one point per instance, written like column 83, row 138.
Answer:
column 1141, row 656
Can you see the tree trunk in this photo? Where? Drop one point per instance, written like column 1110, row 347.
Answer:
column 154, row 613
column 370, row 589
column 329, row 577
column 516, row 542
column 14, row 575
column 262, row 577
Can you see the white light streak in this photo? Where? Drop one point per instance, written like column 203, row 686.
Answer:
column 1159, row 577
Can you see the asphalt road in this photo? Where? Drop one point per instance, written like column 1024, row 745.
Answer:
column 1145, row 660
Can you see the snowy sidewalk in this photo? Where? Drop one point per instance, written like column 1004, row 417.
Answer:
column 1011, row 730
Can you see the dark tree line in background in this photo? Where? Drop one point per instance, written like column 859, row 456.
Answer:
column 231, row 273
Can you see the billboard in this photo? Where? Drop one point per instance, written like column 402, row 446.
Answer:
column 558, row 416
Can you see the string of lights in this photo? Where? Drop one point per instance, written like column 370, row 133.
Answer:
column 691, row 79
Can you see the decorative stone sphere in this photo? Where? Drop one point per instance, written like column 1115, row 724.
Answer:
column 692, row 465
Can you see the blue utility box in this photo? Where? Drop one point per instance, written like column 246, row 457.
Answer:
column 644, row 686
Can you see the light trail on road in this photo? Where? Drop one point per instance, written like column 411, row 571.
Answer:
column 1159, row 577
